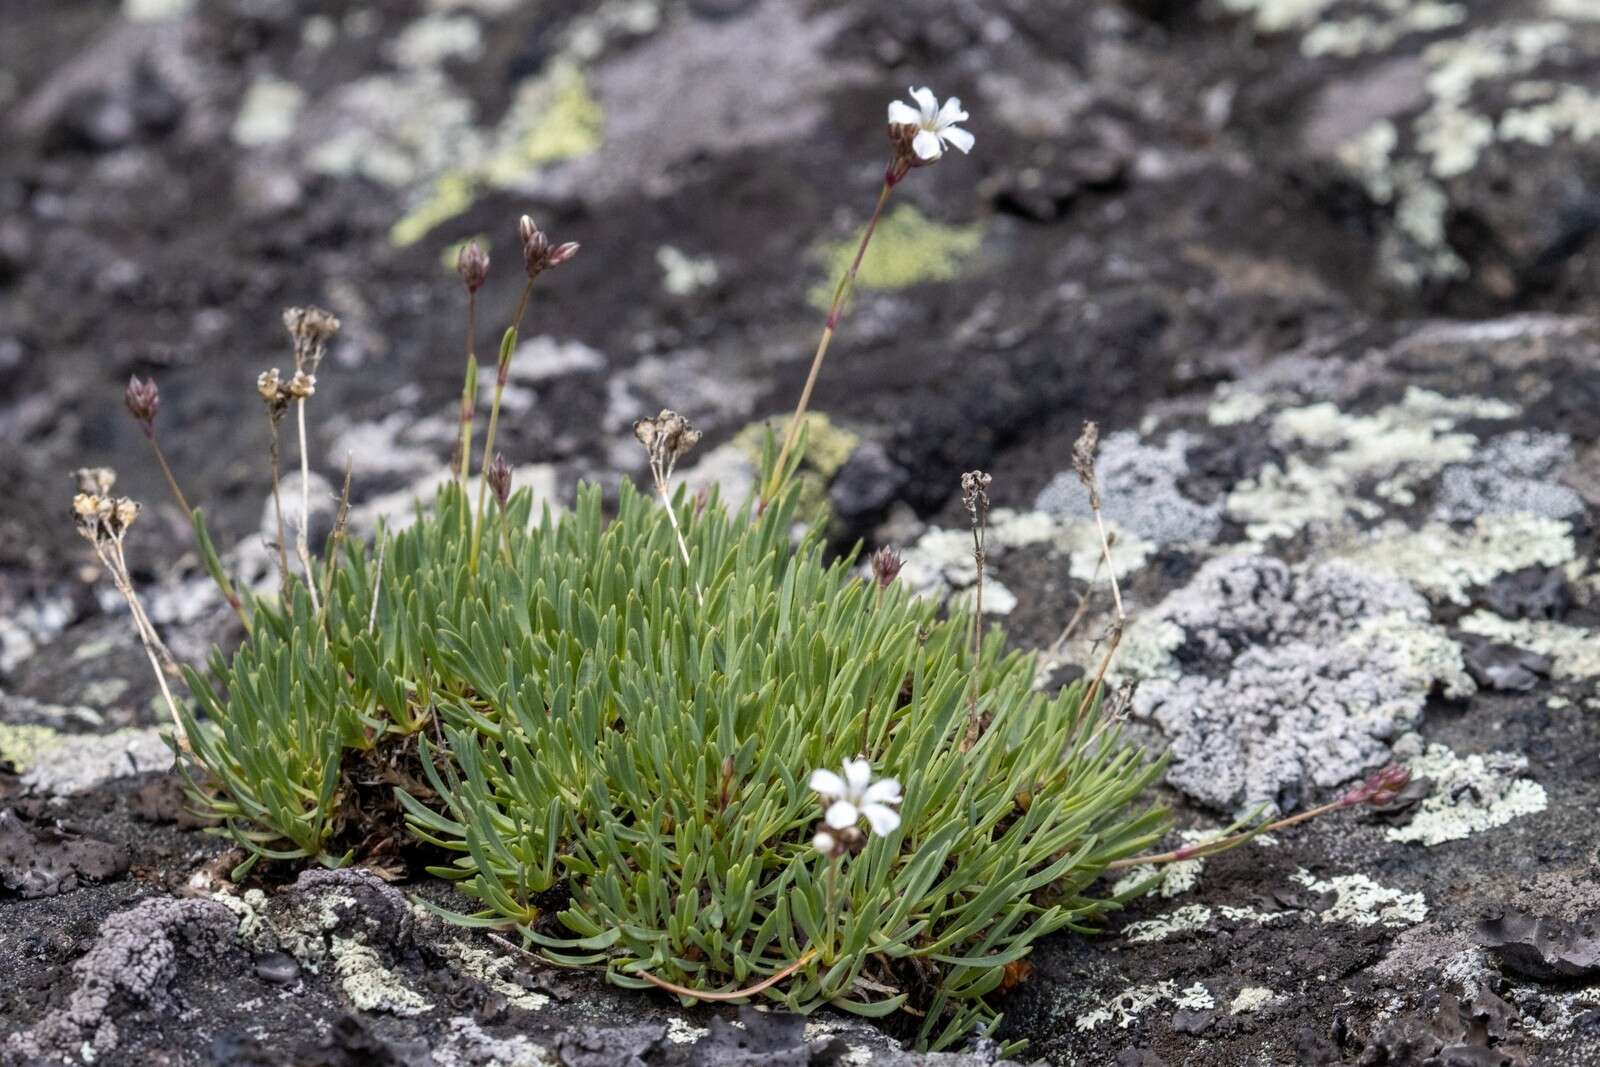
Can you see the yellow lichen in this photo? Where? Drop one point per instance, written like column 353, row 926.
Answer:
column 21, row 746
column 451, row 195
column 908, row 249
column 827, row 449
column 553, row 118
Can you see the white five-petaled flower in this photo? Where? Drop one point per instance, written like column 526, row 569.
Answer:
column 856, row 795
column 936, row 126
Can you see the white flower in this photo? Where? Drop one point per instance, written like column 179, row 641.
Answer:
column 825, row 842
column 856, row 795
column 936, row 126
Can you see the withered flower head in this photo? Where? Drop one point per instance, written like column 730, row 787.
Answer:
column 301, row 385
column 267, row 384
column 886, row 564
column 310, row 328
column 500, row 478
column 975, row 491
column 668, row 437
column 538, row 254
column 95, row 481
column 1083, row 452
column 472, row 263
column 143, row 400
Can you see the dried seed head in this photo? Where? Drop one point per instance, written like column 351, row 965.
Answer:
column 96, row 481
column 538, row 254
column 500, row 478
column 301, row 385
column 1083, row 455
column 268, row 384
column 472, row 263
column 886, row 564
column 668, row 437
column 143, row 400
column 310, row 328
column 97, row 514
column 975, row 492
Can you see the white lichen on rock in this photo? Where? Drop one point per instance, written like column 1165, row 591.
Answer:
column 1269, row 679
column 1359, row 901
column 1178, row 921
column 492, row 969
column 1125, row 1008
column 1252, row 998
column 1142, row 488
column 1470, row 794
column 368, row 984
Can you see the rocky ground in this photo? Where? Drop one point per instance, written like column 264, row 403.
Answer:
column 1326, row 271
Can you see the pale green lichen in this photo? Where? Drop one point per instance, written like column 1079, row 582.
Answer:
column 268, row 113
column 1470, row 794
column 1444, row 562
column 155, row 10
column 1181, row 920
column 907, row 249
column 1125, row 1008
column 21, row 746
column 452, row 194
column 1252, row 998
column 552, row 118
column 1575, row 650
column 492, row 970
column 369, row 985
column 828, row 446
column 683, row 274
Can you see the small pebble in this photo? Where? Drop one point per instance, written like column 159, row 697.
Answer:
column 278, row 968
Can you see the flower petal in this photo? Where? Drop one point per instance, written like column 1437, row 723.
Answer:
column 883, row 820
column 903, row 114
column 926, row 145
column 951, row 112
column 927, row 102
column 958, row 137
column 857, row 775
column 842, row 815
column 824, row 841
column 885, row 791
column 827, row 783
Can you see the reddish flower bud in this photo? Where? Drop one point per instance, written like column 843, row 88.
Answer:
column 143, row 400
column 472, row 263
column 1382, row 787
column 538, row 255
column 886, row 564
column 500, row 478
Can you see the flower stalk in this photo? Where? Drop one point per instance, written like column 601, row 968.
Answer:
column 917, row 138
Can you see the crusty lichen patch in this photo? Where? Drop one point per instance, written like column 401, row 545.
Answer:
column 1359, row 901
column 1574, row 649
column 1445, row 562
column 1470, row 794
column 1125, row 1008
column 908, row 249
column 369, row 985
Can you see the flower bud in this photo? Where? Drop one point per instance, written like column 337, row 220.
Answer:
column 886, row 564
column 143, row 400
column 538, row 255
column 473, row 265
column 499, row 476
